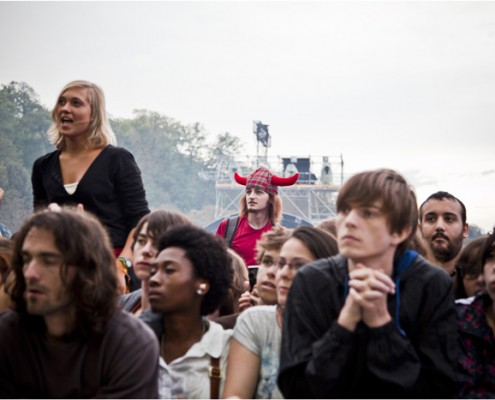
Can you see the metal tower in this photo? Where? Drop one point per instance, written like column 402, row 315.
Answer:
column 312, row 198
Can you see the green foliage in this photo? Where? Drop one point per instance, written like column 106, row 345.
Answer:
column 23, row 123
column 225, row 145
column 171, row 156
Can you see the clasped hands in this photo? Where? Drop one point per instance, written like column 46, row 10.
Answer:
column 367, row 298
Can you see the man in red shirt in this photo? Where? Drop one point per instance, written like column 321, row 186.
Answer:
column 261, row 208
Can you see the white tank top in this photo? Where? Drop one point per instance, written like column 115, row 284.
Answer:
column 71, row 187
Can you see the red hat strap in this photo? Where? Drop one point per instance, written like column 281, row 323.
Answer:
column 279, row 181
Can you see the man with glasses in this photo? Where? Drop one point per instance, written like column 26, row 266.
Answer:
column 268, row 247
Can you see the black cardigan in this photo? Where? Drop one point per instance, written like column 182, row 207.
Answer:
column 111, row 189
column 413, row 357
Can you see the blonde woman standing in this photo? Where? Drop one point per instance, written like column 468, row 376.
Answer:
column 87, row 170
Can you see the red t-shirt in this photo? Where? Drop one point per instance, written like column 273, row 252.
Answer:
column 245, row 238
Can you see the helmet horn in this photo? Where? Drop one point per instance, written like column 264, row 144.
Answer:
column 241, row 180
column 279, row 181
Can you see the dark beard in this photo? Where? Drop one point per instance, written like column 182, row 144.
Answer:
column 446, row 254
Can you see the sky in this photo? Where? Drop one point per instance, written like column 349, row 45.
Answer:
column 402, row 85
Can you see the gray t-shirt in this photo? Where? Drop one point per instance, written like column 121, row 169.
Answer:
column 257, row 330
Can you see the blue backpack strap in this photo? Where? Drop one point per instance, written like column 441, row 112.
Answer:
column 232, row 223
column 404, row 262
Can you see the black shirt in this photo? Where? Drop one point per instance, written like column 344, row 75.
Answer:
column 111, row 189
column 412, row 356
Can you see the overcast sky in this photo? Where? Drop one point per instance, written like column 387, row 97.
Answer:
column 403, row 85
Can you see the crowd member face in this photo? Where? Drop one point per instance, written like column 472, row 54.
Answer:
column 173, row 283
column 265, row 278
column 364, row 236
column 257, row 199
column 46, row 294
column 293, row 255
column 442, row 228
column 473, row 284
column 73, row 112
column 145, row 250
column 489, row 274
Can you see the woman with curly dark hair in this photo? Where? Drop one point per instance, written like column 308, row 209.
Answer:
column 190, row 279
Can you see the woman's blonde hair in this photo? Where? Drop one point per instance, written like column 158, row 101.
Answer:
column 100, row 131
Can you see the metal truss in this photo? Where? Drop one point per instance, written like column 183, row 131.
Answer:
column 313, row 201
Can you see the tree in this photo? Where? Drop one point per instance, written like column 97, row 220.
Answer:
column 169, row 155
column 23, row 125
column 225, row 145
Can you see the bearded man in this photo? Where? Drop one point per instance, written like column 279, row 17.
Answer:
column 443, row 228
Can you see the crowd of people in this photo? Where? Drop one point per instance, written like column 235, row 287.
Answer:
column 101, row 297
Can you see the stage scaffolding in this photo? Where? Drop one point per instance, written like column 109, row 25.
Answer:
column 312, row 198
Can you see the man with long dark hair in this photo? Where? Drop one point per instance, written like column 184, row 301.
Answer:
column 65, row 337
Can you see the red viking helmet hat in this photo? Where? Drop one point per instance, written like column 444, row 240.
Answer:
column 265, row 180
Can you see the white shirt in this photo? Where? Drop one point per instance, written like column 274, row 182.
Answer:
column 187, row 377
